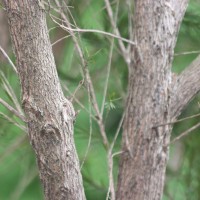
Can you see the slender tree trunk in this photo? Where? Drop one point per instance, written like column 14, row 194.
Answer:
column 49, row 114
column 143, row 163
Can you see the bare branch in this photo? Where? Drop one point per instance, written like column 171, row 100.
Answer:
column 86, row 74
column 9, row 60
column 110, row 156
column 77, row 89
column 90, row 132
column 185, row 133
column 117, row 132
column 59, row 40
column 23, row 128
column 117, row 153
column 187, row 53
column 185, row 87
column 107, row 77
column 11, row 93
column 130, row 22
column 94, row 31
column 109, row 65
column 177, row 121
column 12, row 110
column 111, row 188
column 123, row 49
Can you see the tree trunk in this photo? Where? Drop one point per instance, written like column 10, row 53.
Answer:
column 49, row 114
column 145, row 144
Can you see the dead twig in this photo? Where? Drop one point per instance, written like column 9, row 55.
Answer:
column 177, row 121
column 86, row 74
column 187, row 53
column 9, row 60
column 12, row 110
column 185, row 133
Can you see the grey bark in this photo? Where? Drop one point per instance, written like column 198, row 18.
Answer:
column 185, row 87
column 49, row 114
column 151, row 100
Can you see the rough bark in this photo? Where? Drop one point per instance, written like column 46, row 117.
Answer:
column 185, row 87
column 143, row 163
column 4, row 37
column 49, row 114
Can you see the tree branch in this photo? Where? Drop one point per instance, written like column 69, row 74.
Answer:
column 85, row 72
column 185, row 133
column 12, row 110
column 9, row 60
column 123, row 49
column 186, row 86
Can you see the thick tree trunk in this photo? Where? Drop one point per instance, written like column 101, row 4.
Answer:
column 143, row 163
column 49, row 114
column 153, row 98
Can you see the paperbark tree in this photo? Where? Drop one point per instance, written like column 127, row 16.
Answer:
column 154, row 98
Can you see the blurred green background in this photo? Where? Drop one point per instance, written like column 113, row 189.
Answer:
column 18, row 173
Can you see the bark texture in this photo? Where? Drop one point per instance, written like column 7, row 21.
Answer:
column 142, row 166
column 49, row 114
column 185, row 87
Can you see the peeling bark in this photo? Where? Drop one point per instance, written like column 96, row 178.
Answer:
column 49, row 114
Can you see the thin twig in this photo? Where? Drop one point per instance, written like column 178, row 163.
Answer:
column 116, row 30
column 52, row 28
column 90, row 132
column 177, row 121
column 117, row 153
column 12, row 110
column 109, row 64
column 96, row 108
column 187, row 53
column 23, row 128
column 101, row 32
column 111, row 188
column 11, row 93
column 184, row 133
column 94, row 31
column 117, row 132
column 130, row 23
column 76, row 90
column 9, row 60
column 59, row 40
column 107, row 77
column 86, row 75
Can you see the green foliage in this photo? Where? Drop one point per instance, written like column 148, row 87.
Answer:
column 19, row 179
